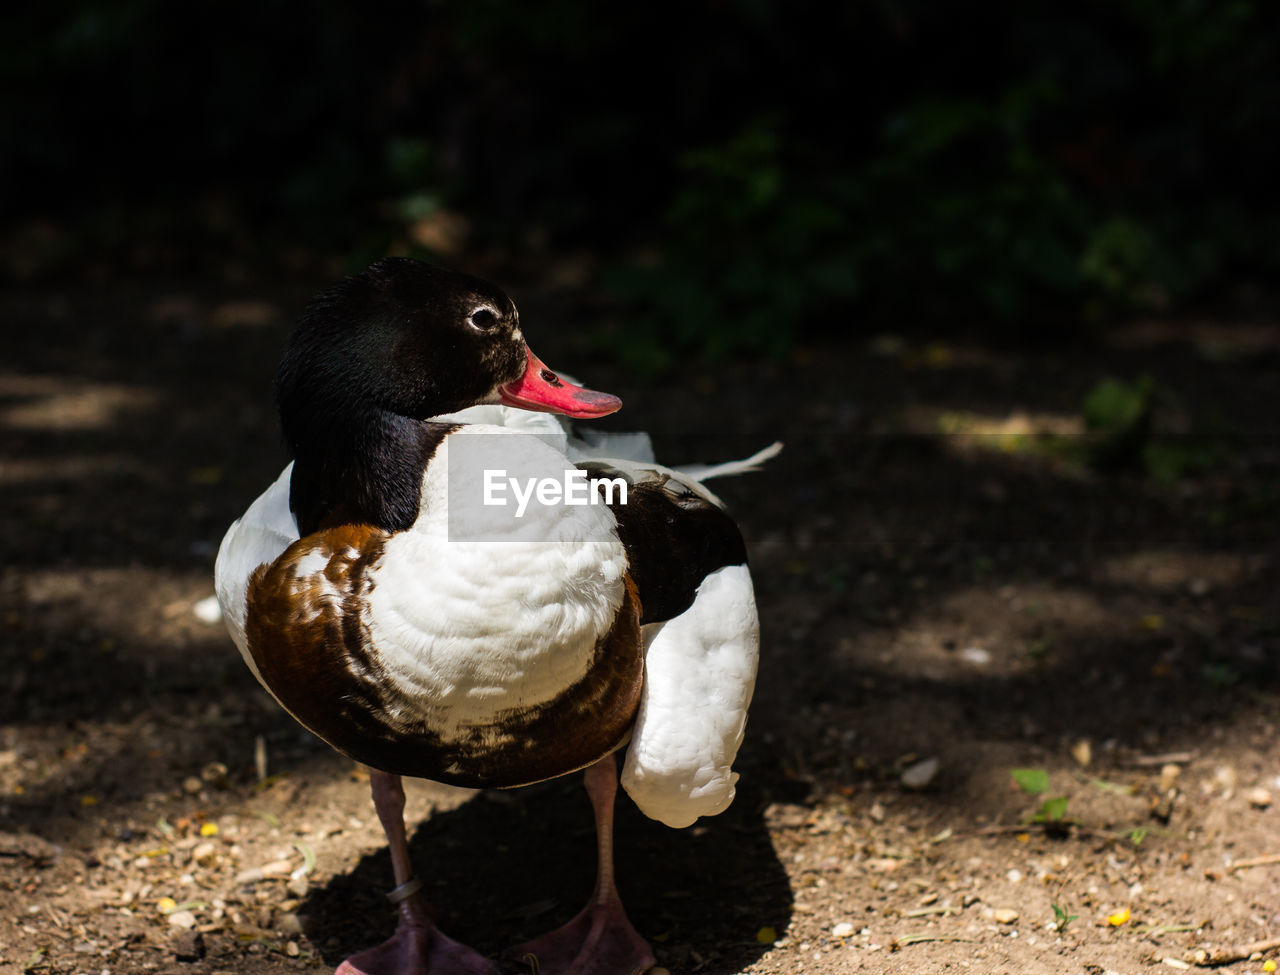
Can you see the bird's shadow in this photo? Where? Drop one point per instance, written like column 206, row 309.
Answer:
column 507, row 866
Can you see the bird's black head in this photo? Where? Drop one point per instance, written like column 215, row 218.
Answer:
column 384, row 350
column 402, row 337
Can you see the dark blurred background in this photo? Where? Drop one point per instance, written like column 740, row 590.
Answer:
column 729, row 173
column 1000, row 275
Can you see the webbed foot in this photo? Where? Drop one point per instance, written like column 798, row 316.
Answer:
column 599, row 941
column 418, row 948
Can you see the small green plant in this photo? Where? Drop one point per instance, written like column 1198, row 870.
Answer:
column 1051, row 811
column 1123, row 421
column 1220, row 676
column 1038, row 650
column 1061, row 918
column 1035, row 782
column 1032, row 781
column 1118, row 417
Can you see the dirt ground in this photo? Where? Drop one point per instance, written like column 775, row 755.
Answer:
column 942, row 603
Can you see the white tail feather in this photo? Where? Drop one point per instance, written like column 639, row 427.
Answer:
column 703, row 472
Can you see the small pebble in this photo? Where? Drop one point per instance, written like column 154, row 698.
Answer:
column 291, row 949
column 1226, row 778
column 192, row 785
column 205, row 855
column 1082, row 752
column 978, row 656
column 277, row 868
column 208, row 610
column 842, row 930
column 1258, row 797
column 921, row 774
column 1169, row 776
column 1004, row 915
column 215, row 773
column 182, row 919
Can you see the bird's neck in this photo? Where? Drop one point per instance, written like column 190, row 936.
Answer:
column 362, row 467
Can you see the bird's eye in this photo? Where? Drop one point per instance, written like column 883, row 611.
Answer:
column 483, row 319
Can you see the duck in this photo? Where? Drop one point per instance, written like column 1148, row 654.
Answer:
column 393, row 595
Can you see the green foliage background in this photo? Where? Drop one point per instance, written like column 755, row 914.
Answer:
column 745, row 171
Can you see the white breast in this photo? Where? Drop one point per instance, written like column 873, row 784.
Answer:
column 474, row 611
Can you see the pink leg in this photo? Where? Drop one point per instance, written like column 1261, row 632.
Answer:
column 418, row 947
column 599, row 940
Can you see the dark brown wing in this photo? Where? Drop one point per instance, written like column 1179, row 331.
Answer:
column 674, row 538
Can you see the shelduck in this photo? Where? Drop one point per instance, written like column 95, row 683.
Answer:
column 393, row 596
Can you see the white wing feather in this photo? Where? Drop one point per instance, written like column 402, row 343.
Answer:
column 699, row 672
column 258, row 537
